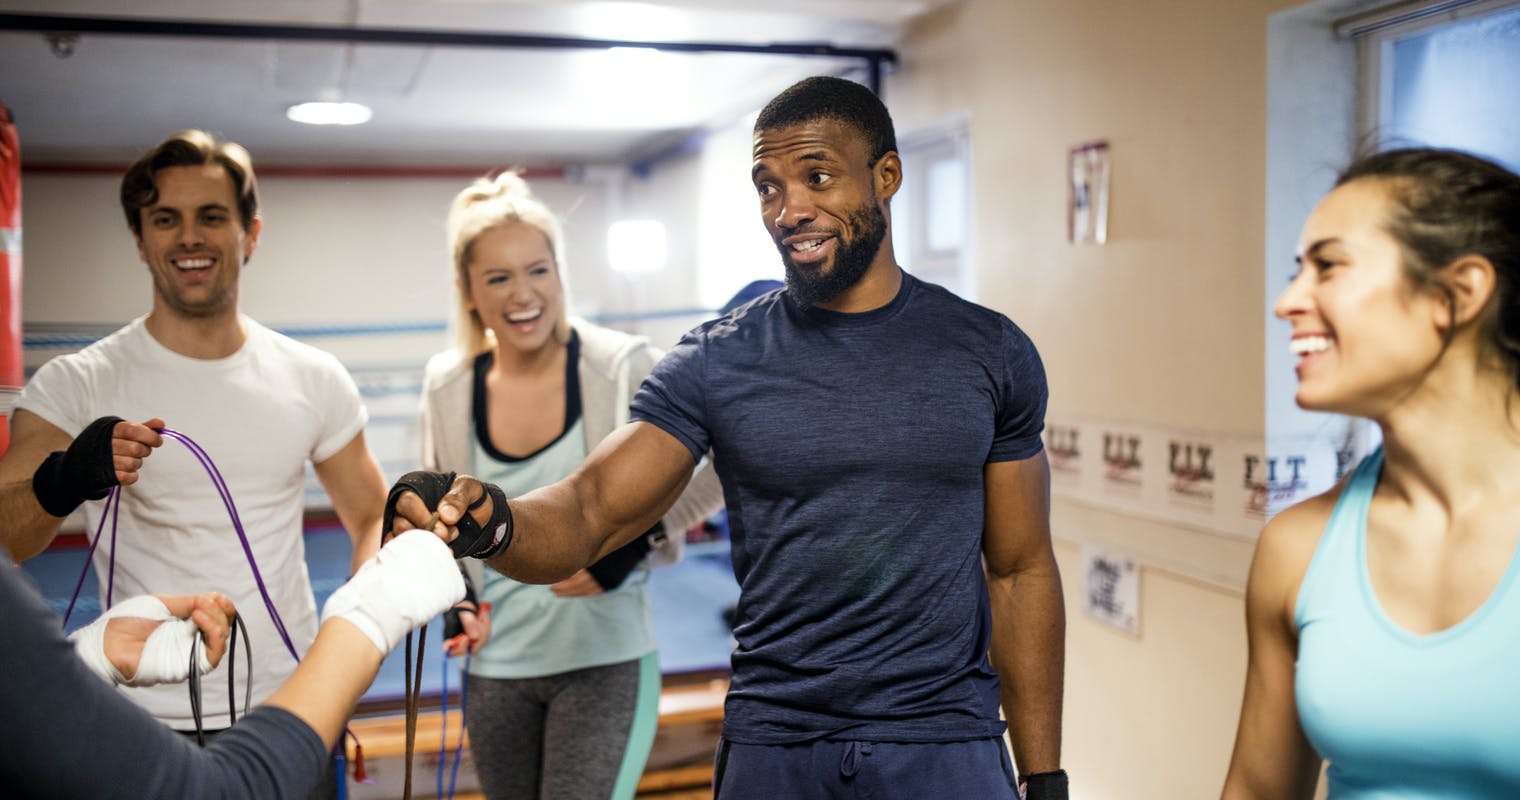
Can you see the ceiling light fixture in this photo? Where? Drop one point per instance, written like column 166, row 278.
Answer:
column 322, row 112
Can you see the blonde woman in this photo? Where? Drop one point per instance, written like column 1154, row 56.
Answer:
column 564, row 691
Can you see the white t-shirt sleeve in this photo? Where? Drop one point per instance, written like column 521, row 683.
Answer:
column 59, row 393
column 342, row 410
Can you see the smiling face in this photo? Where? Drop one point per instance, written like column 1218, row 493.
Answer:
column 513, row 284
column 824, row 205
column 1365, row 337
column 194, row 242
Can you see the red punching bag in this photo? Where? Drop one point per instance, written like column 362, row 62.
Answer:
column 10, row 271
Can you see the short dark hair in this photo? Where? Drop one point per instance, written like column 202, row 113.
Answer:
column 189, row 148
column 824, row 97
column 1446, row 204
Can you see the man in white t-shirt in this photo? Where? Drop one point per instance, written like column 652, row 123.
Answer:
column 260, row 404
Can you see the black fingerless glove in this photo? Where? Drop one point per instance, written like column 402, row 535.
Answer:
column 1044, row 786
column 474, row 540
column 613, row 568
column 85, row 471
column 452, row 624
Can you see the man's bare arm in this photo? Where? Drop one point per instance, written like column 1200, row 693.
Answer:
column 627, row 483
column 26, row 528
column 1028, row 614
column 353, row 482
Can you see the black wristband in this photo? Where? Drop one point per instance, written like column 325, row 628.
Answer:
column 85, row 471
column 477, row 541
column 613, row 568
column 1044, row 786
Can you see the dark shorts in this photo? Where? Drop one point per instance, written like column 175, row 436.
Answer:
column 848, row 770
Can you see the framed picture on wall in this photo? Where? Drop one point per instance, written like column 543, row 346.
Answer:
column 1088, row 164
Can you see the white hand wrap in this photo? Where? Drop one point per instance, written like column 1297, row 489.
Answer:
column 165, row 655
column 411, row 580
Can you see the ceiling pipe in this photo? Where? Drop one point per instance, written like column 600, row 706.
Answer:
column 875, row 58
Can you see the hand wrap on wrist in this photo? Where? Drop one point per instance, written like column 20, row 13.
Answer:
column 165, row 654
column 411, row 580
column 1044, row 786
column 473, row 540
column 85, row 471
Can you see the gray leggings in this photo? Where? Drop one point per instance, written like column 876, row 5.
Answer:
column 579, row 735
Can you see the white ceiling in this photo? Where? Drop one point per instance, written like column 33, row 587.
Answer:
column 116, row 95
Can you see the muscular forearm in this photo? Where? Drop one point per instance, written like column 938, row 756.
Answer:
column 554, row 536
column 1028, row 651
column 25, row 529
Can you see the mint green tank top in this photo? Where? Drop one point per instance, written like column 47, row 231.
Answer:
column 1400, row 715
column 535, row 632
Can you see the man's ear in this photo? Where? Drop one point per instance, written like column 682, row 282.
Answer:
column 251, row 240
column 887, row 175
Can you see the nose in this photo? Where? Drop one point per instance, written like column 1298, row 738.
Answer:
column 796, row 209
column 1294, row 299
column 190, row 234
column 518, row 290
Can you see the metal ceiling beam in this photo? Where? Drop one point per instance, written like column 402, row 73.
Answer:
column 875, row 58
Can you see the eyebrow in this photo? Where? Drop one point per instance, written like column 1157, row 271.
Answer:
column 1313, row 249
column 811, row 155
column 541, row 262
column 206, row 207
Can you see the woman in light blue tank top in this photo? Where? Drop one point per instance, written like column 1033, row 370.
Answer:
column 1383, row 617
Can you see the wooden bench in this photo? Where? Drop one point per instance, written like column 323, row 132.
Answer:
column 691, row 720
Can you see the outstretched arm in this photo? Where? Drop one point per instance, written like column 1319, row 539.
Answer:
column 86, row 469
column 617, row 493
column 1028, row 615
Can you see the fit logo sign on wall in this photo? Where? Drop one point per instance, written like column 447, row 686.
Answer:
column 1064, row 452
column 1274, row 482
column 1191, row 471
column 1121, row 461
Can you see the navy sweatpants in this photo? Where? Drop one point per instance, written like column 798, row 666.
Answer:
column 848, row 770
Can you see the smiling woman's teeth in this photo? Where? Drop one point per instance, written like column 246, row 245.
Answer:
column 1310, row 344
column 524, row 316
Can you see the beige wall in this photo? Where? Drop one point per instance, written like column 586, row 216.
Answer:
column 1163, row 326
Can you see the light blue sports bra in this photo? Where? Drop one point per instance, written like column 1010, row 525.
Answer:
column 1399, row 715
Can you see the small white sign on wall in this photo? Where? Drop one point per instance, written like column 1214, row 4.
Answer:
column 1111, row 588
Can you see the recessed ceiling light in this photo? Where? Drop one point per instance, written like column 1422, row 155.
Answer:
column 327, row 113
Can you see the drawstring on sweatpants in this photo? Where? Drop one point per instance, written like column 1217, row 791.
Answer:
column 853, row 753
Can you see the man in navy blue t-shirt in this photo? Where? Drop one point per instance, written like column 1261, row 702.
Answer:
column 878, row 440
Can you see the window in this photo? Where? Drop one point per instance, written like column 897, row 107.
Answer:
column 931, row 215
column 1443, row 78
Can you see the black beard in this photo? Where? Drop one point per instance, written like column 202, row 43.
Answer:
column 852, row 258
